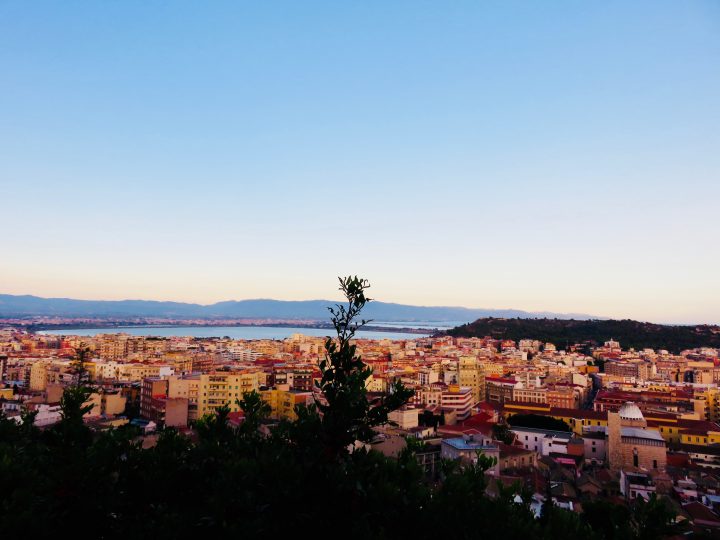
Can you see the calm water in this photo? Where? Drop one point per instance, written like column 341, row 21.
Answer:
column 234, row 332
column 429, row 325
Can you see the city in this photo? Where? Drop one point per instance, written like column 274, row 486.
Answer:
column 582, row 424
column 367, row 270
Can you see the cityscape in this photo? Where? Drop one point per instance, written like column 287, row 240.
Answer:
column 577, row 424
column 366, row 270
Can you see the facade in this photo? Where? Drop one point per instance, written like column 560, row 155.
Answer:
column 458, row 399
column 543, row 441
column 637, row 369
column 472, row 375
column 595, row 443
column 282, row 401
column 224, row 388
column 516, row 457
column 405, row 418
column 153, row 388
column 563, row 397
column 631, row 444
column 634, row 485
column 499, row 390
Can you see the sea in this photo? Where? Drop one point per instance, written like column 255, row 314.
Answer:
column 256, row 332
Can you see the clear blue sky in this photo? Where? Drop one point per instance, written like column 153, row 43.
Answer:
column 556, row 156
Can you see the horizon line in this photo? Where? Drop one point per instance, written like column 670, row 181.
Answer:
column 585, row 316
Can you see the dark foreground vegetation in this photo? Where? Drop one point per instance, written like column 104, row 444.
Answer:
column 301, row 479
column 563, row 333
column 538, row 421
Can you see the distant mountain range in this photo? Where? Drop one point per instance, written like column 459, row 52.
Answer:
column 25, row 306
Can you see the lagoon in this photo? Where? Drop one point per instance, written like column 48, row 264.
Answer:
column 233, row 332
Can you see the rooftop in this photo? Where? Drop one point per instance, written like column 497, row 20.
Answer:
column 460, row 443
column 546, row 432
column 640, row 433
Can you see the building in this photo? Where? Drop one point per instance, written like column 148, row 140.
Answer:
column 224, row 388
column 499, row 390
column 469, row 446
column 472, row 375
column 515, row 457
column 282, row 401
column 152, row 395
column 631, row 444
column 595, row 447
column 636, row 484
column 405, row 417
column 543, row 441
column 637, row 369
column 458, row 399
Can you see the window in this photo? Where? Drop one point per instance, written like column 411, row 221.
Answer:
column 654, row 463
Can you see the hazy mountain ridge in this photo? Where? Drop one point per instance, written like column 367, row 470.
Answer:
column 27, row 305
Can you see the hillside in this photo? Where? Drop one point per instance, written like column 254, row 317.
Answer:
column 562, row 333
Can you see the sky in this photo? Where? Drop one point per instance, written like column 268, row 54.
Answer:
column 559, row 156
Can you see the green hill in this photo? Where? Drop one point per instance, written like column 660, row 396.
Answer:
column 563, row 333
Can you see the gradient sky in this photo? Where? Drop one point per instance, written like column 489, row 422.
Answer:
column 559, row 156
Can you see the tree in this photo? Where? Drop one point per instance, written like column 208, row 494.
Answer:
column 74, row 406
column 82, row 353
column 502, row 433
column 255, row 409
column 427, row 418
column 538, row 421
column 652, row 518
column 348, row 415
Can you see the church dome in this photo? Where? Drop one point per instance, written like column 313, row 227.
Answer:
column 630, row 411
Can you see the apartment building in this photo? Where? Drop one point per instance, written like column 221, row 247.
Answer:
column 220, row 388
column 472, row 375
column 459, row 399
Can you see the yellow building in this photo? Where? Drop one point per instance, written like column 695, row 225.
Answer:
column 92, row 369
column 709, row 404
column 223, row 388
column 577, row 419
column 282, row 401
column 139, row 371
column 472, row 375
column 113, row 403
column 95, row 401
column 702, row 437
column 672, row 428
column 493, row 369
column 180, row 362
column 38, row 376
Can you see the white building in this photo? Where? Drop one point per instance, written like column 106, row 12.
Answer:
column 543, row 441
